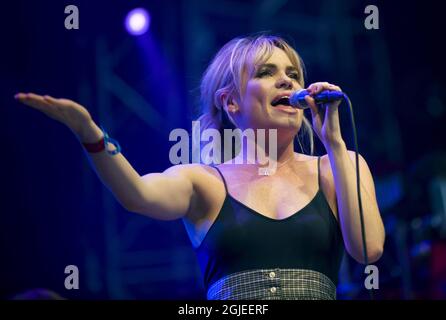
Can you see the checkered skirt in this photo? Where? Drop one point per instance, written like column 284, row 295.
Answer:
column 273, row 284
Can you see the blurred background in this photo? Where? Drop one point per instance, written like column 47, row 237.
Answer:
column 54, row 210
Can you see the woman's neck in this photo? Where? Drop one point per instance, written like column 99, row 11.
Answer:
column 274, row 151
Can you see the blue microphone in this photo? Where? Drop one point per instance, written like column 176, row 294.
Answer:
column 297, row 99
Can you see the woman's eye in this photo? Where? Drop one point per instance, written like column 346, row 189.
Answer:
column 267, row 73
column 264, row 73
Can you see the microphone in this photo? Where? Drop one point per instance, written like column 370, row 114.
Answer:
column 297, row 99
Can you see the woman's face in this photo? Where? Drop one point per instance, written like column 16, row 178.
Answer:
column 260, row 105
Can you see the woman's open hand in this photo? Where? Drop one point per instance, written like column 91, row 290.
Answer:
column 68, row 112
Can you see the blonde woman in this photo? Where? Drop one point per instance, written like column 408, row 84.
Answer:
column 276, row 236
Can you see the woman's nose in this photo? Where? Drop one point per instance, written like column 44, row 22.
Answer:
column 284, row 83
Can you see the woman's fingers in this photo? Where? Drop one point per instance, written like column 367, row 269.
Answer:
column 65, row 111
column 48, row 106
column 58, row 102
column 318, row 87
column 20, row 96
column 312, row 104
column 50, row 99
column 33, row 100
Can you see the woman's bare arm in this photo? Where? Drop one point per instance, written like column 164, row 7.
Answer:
column 164, row 196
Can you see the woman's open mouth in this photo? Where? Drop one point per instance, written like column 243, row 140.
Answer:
column 283, row 104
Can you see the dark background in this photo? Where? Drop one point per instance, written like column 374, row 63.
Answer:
column 55, row 212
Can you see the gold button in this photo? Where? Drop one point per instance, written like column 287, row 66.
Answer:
column 272, row 274
column 273, row 290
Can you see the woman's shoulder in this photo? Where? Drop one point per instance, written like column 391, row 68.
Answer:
column 304, row 157
column 195, row 172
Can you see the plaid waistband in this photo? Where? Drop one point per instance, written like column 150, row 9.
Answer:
column 273, row 284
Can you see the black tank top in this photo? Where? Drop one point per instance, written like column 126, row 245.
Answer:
column 242, row 239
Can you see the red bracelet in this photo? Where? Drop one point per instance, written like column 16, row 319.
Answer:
column 95, row 147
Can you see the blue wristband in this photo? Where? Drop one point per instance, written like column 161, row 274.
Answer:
column 111, row 140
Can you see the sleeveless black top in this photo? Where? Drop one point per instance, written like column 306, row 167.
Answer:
column 242, row 239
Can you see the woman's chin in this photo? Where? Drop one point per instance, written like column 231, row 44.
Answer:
column 279, row 122
column 291, row 123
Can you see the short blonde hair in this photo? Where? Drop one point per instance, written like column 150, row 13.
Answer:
column 228, row 73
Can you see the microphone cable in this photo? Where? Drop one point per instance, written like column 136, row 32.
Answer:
column 358, row 184
column 298, row 100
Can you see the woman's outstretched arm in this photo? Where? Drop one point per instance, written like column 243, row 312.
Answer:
column 164, row 196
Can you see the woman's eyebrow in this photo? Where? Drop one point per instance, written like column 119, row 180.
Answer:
column 273, row 66
column 268, row 65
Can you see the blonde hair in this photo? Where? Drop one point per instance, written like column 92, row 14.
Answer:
column 228, row 73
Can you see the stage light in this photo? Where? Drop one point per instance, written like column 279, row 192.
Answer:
column 137, row 21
